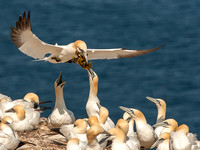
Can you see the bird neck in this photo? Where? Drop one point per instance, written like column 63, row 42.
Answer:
column 161, row 114
column 60, row 102
column 93, row 87
column 131, row 126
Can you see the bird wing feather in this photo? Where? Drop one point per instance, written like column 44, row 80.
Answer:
column 29, row 43
column 116, row 53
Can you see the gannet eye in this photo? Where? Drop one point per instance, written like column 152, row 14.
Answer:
column 7, row 122
column 158, row 102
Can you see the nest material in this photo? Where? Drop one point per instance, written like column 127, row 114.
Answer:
column 42, row 138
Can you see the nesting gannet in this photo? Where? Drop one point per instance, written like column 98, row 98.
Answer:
column 92, row 107
column 93, row 120
column 31, row 45
column 162, row 143
column 75, row 144
column 119, row 139
column 103, row 116
column 92, row 133
column 145, row 132
column 179, row 139
column 132, row 140
column 30, row 100
column 168, row 125
column 76, row 130
column 60, row 114
column 24, row 119
column 8, row 137
column 161, row 106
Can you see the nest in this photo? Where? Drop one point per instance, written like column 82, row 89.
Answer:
column 44, row 137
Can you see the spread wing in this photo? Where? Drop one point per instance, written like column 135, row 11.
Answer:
column 29, row 43
column 116, row 53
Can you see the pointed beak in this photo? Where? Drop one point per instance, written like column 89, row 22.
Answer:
column 42, row 109
column 154, row 100
column 107, row 137
column 99, row 106
column 128, row 110
column 161, row 124
column 10, row 110
column 44, row 102
column 156, row 143
column 91, row 73
column 59, row 80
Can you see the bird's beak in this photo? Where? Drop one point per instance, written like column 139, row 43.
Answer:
column 44, row 102
column 154, row 100
column 99, row 106
column 10, row 110
column 157, row 143
column 128, row 110
column 108, row 136
column 163, row 124
column 90, row 73
column 42, row 109
column 59, row 80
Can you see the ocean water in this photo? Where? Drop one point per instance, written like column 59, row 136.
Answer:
column 171, row 73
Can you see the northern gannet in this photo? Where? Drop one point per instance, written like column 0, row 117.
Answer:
column 161, row 106
column 162, row 143
column 92, row 133
column 60, row 114
column 103, row 116
column 132, row 136
column 168, row 125
column 131, row 140
column 92, row 106
column 76, row 130
column 145, row 132
column 179, row 139
column 31, row 45
column 8, row 137
column 24, row 119
column 119, row 139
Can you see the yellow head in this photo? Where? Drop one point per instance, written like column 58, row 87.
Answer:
column 32, row 97
column 80, row 46
column 19, row 110
column 123, row 125
column 93, row 132
column 183, row 128
column 93, row 120
column 103, row 114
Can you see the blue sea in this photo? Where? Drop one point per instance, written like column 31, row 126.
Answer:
column 171, row 73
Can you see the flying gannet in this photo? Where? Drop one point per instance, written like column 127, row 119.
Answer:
column 28, row 43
